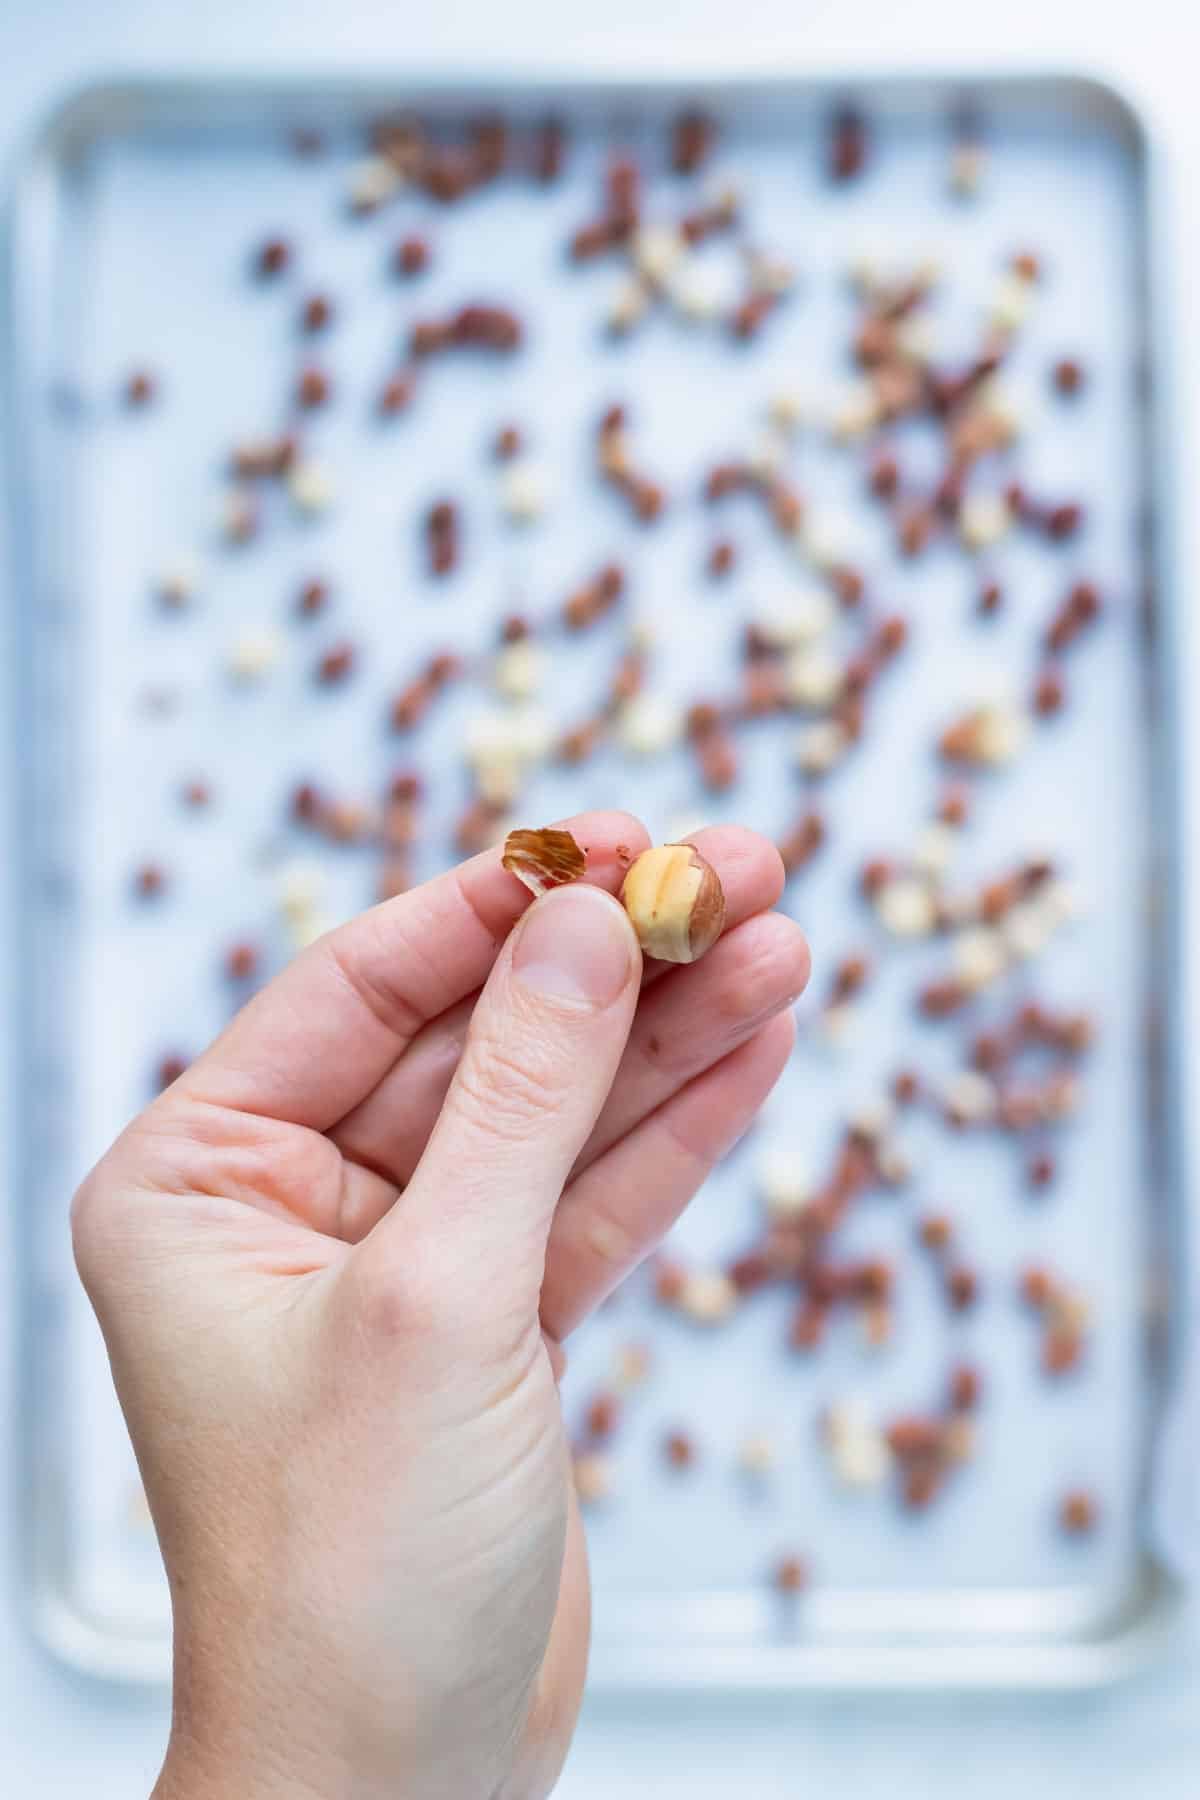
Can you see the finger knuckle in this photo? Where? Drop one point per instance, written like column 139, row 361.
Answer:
column 401, row 1297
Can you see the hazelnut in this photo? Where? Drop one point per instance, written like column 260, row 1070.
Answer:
column 756, row 1455
column 592, row 1471
column 1078, row 1512
column 790, row 1575
column 676, row 902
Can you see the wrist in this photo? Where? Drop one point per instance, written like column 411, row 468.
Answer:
column 191, row 1773
column 230, row 1736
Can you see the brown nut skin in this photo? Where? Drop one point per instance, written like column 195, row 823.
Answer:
column 675, row 901
column 543, row 859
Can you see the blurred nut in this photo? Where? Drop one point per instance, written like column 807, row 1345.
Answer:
column 593, row 1477
column 708, row 1297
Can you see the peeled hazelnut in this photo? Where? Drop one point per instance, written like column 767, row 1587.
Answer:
column 543, row 859
column 676, row 902
column 592, row 1471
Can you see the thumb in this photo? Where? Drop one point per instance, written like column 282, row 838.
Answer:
column 543, row 1047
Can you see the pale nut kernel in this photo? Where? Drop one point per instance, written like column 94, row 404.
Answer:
column 787, row 409
column 310, row 487
column 785, row 1181
column 675, row 901
column 370, row 182
column 708, row 1297
column 524, row 493
column 700, row 291
column 657, row 250
column 756, row 1455
column 593, row 1475
column 252, row 656
column 934, row 849
column 983, row 520
column 649, row 725
column 628, row 305
column 980, row 957
column 906, row 908
column 519, row 671
column 632, row 1365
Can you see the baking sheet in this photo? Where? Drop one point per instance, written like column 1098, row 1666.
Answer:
column 131, row 250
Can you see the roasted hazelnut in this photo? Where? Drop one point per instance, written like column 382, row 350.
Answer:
column 790, row 1575
column 675, row 901
column 1041, row 1169
column 679, row 1450
column 920, row 1486
column 312, row 598
column 411, row 256
column 966, row 1385
column 1078, row 1512
column 962, row 1288
column 955, row 805
column 847, row 145
column 150, row 881
column 602, row 1416
column 798, row 846
column 885, row 477
column 906, row 1087
column 170, row 1068
column 306, row 803
column 721, row 558
column 935, row 1231
column 670, row 1279
column 273, row 257
column 395, row 395
column 336, row 665
column 1037, row 1287
column 1068, row 376
column 692, row 135
column 808, row 1323
column 312, row 389
column 548, row 147
column 196, row 793
column 1062, row 1348
column 1063, row 520
column 241, row 962
column 847, row 584
column 140, row 388
column 316, row 312
column 876, row 873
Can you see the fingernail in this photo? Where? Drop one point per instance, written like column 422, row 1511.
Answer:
column 575, row 944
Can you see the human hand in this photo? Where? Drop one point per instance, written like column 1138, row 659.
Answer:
column 333, row 1264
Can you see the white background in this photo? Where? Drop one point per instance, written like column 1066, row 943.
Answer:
column 59, row 1735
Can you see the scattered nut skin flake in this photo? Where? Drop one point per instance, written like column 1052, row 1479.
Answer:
column 543, row 859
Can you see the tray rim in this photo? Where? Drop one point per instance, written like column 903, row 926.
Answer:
column 115, row 104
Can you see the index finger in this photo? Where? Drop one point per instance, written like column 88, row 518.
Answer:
column 324, row 1032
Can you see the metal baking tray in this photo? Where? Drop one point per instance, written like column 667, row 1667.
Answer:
column 132, row 214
